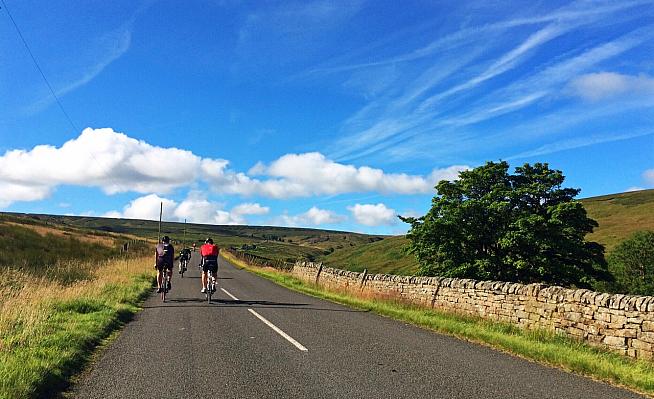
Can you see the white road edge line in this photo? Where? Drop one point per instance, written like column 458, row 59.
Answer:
column 271, row 325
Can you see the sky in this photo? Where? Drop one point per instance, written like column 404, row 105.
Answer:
column 328, row 114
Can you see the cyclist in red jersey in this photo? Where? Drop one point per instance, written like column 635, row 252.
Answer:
column 209, row 252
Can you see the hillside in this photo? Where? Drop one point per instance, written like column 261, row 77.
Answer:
column 385, row 256
column 618, row 215
column 283, row 243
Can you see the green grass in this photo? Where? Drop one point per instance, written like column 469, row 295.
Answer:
column 537, row 345
column 42, row 362
column 620, row 215
column 384, row 256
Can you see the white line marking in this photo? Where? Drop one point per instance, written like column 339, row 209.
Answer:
column 278, row 331
column 271, row 325
column 227, row 292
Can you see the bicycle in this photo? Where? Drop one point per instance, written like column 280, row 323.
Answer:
column 164, row 282
column 183, row 264
column 211, row 285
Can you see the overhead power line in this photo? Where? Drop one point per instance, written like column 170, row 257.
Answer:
column 29, row 51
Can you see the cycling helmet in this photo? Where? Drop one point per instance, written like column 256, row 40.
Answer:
column 208, row 241
column 165, row 239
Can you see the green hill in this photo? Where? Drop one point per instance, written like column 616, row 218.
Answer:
column 280, row 243
column 384, row 256
column 618, row 215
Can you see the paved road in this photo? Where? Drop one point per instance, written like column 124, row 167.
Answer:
column 187, row 348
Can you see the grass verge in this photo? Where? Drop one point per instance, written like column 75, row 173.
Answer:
column 48, row 329
column 536, row 345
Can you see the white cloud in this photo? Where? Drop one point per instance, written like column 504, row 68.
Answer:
column 373, row 215
column 196, row 208
column 449, row 173
column 250, row 209
column 312, row 173
column 98, row 157
column 118, row 163
column 648, row 175
column 634, row 188
column 601, row 85
column 148, row 207
column 313, row 217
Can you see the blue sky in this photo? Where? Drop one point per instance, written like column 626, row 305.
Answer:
column 328, row 114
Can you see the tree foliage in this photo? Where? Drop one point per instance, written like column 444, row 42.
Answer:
column 632, row 264
column 522, row 227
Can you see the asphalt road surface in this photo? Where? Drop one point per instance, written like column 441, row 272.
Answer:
column 259, row 340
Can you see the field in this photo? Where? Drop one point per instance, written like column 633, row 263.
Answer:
column 618, row 216
column 62, row 291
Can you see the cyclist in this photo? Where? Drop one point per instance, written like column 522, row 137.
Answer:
column 164, row 256
column 184, row 258
column 209, row 252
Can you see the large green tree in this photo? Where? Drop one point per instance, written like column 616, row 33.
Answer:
column 522, row 227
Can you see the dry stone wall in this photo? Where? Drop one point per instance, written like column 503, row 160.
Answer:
column 622, row 323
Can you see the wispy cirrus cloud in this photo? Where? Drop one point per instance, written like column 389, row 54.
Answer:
column 106, row 49
column 477, row 74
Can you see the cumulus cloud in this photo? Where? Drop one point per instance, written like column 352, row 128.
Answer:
column 373, row 215
column 249, row 208
column 100, row 158
column 118, row 163
column 196, row 208
column 311, row 174
column 601, row 85
column 148, row 207
column 313, row 217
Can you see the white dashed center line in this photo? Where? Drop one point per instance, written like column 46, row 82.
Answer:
column 271, row 325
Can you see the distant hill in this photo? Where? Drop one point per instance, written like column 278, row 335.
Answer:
column 384, row 256
column 618, row 215
column 283, row 243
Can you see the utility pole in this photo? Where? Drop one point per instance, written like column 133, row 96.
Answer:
column 184, row 242
column 160, row 214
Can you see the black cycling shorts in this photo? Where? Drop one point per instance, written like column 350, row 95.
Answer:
column 161, row 265
column 210, row 266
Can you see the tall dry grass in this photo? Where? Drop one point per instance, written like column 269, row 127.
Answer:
column 52, row 317
column 26, row 298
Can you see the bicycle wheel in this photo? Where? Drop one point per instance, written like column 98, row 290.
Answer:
column 182, row 267
column 209, row 287
column 164, row 282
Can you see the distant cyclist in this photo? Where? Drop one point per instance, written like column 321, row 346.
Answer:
column 184, row 258
column 209, row 252
column 164, row 256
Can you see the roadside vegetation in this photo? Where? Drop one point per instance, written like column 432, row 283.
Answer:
column 61, row 295
column 537, row 345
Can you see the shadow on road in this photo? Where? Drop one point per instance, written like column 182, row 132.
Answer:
column 227, row 303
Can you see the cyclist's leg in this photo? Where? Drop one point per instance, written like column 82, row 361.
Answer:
column 170, row 275
column 204, row 279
